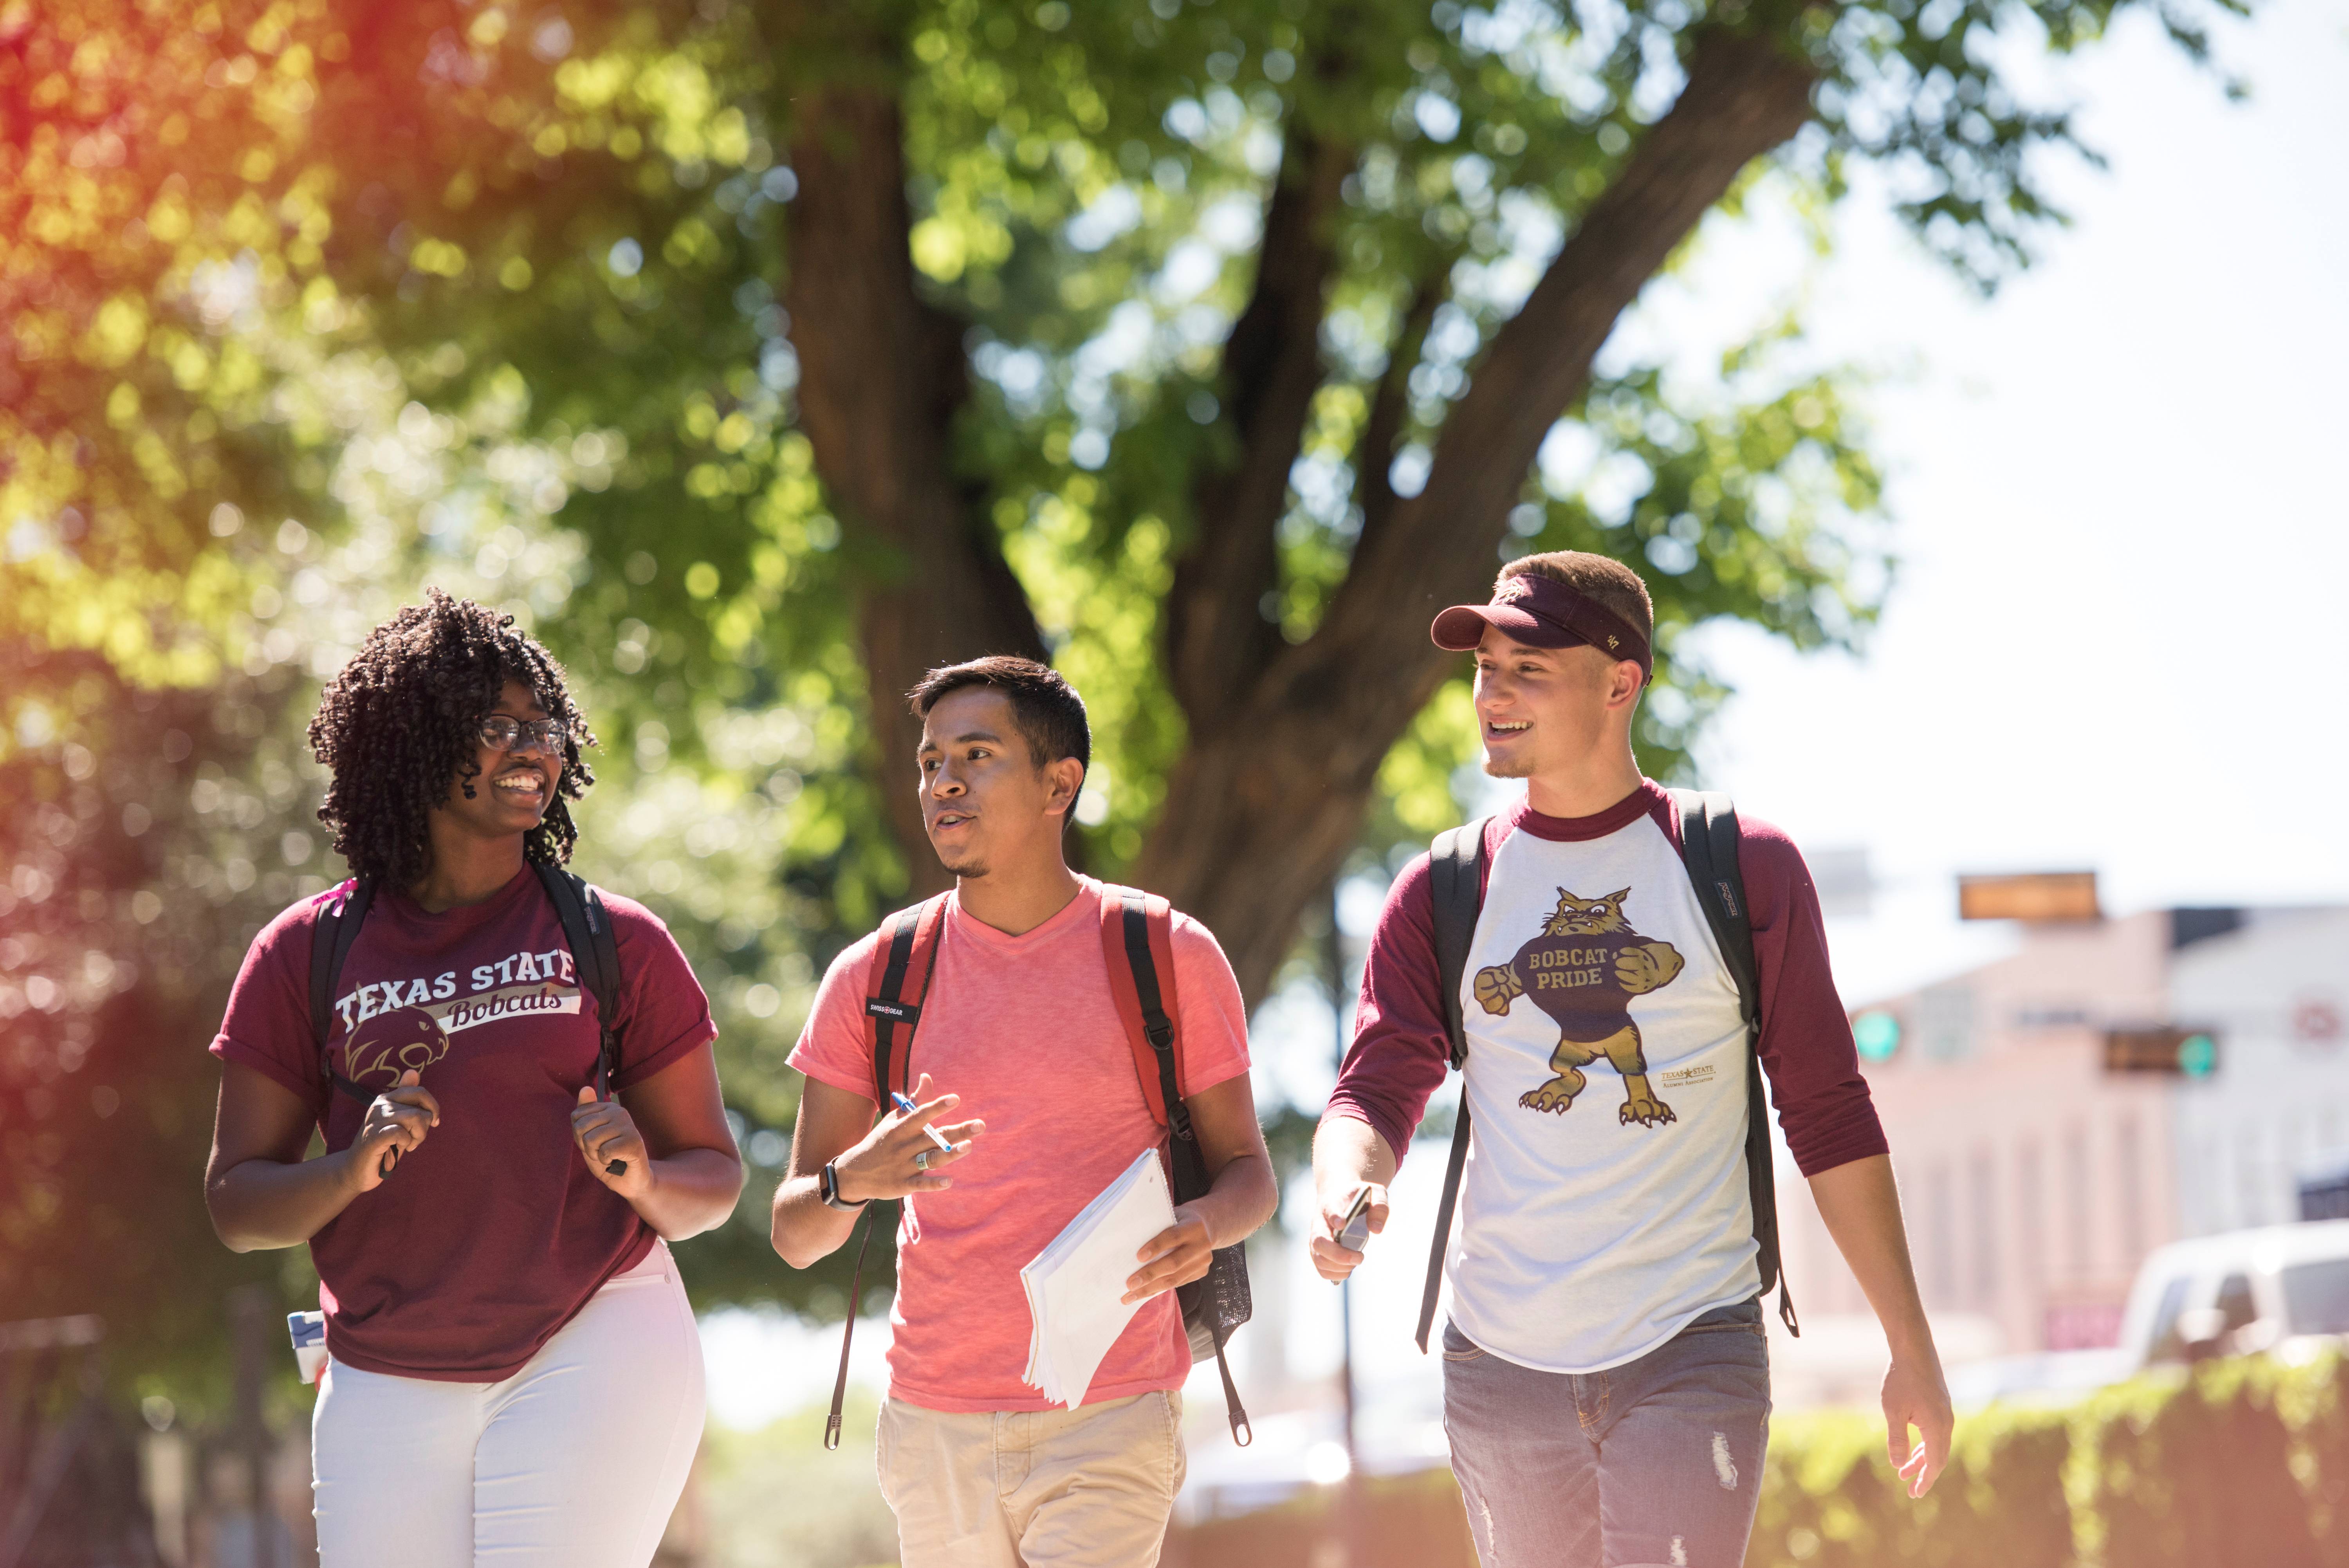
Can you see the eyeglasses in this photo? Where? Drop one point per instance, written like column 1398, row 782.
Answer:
column 510, row 734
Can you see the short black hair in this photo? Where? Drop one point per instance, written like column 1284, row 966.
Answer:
column 1049, row 714
column 401, row 723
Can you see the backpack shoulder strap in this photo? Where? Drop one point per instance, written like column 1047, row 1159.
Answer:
column 1455, row 866
column 1709, row 848
column 911, row 947
column 335, row 928
column 910, row 951
column 1138, row 946
column 1709, row 841
column 595, row 950
column 1455, row 877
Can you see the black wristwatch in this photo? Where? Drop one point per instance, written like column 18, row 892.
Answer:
column 827, row 1187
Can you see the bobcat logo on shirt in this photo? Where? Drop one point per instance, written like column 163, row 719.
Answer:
column 390, row 1043
column 1582, row 968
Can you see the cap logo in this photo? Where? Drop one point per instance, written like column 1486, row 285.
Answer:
column 1611, row 641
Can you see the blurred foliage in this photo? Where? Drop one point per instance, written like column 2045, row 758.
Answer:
column 304, row 304
column 776, row 1498
column 2236, row 1461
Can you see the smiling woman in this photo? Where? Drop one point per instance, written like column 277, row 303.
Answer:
column 544, row 1338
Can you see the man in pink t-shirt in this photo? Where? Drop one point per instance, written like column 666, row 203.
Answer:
column 1020, row 1029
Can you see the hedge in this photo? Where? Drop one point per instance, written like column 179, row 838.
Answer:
column 2237, row 1464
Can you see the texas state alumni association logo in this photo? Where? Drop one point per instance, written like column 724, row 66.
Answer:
column 1583, row 967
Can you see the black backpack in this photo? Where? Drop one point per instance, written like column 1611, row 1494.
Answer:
column 586, row 928
column 1709, row 839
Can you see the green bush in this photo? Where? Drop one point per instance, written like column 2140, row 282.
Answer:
column 2241, row 1461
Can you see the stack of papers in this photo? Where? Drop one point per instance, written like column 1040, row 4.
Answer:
column 1075, row 1284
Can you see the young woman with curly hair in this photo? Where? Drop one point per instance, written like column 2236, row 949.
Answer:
column 515, row 1374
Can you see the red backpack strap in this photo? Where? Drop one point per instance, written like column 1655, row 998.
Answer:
column 908, row 951
column 1140, row 995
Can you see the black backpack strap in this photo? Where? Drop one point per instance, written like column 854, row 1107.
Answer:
column 331, row 936
column 1159, row 1029
column 1709, row 844
column 887, row 1010
column 1455, row 884
column 1191, row 1178
column 595, row 954
column 587, row 928
column 890, row 1009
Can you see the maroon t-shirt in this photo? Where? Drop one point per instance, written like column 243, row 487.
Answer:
column 492, row 1234
column 1401, row 1051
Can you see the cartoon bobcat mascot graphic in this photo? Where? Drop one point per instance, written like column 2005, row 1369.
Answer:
column 389, row 1044
column 1583, row 969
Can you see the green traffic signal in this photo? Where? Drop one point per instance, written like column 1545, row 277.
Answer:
column 2198, row 1056
column 1877, row 1035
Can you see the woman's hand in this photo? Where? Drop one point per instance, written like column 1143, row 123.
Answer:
column 883, row 1164
column 602, row 1131
column 396, row 1121
column 1175, row 1256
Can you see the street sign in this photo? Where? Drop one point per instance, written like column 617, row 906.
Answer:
column 2032, row 896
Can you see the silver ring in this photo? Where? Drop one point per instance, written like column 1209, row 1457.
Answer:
column 922, row 1159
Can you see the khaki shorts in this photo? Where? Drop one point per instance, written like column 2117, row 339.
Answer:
column 1089, row 1487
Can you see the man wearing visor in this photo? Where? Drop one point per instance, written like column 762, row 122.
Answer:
column 1606, row 1376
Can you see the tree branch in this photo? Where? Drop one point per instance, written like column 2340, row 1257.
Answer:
column 1744, row 96
column 1218, row 637
column 1260, row 814
column 1390, row 408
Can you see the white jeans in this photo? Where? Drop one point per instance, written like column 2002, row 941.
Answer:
column 576, row 1460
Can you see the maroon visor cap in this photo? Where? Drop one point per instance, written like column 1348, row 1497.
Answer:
column 1542, row 612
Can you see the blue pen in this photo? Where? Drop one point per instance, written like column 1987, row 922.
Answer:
column 911, row 1110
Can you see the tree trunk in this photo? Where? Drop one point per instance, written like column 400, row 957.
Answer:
column 1262, row 809
column 882, row 374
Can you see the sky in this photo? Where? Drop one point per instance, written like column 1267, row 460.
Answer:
column 2113, row 639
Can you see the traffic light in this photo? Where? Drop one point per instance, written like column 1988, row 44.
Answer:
column 2187, row 1053
column 1876, row 1032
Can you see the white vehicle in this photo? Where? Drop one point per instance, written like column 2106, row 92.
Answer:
column 2239, row 1293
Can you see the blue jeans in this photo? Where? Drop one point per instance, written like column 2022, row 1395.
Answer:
column 1656, row 1461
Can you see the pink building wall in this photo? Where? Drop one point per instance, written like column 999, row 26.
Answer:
column 2033, row 1181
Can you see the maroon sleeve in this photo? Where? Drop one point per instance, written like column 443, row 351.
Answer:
column 664, row 1015
column 267, row 1026
column 1806, row 1047
column 1401, row 1048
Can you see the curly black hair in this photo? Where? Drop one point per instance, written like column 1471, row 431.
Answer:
column 397, row 729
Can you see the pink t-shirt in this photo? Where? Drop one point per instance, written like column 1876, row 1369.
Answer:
column 1025, row 1030
column 493, row 1233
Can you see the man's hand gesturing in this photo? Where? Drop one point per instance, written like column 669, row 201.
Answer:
column 897, row 1158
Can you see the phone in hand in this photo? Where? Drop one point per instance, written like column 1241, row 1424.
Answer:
column 1355, row 1231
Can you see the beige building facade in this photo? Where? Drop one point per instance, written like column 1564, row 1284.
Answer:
column 2034, row 1176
